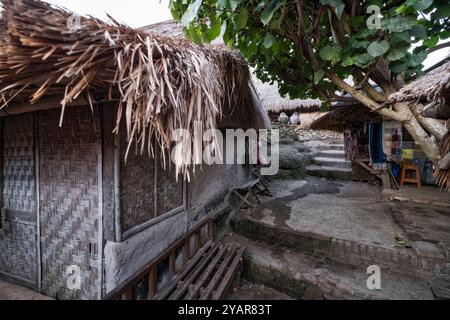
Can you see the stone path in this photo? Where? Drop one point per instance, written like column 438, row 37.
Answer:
column 328, row 161
column 344, row 227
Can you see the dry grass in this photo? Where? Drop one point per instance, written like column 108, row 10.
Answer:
column 433, row 86
column 162, row 84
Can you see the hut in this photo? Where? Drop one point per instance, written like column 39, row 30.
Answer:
column 430, row 95
column 275, row 104
column 384, row 144
column 87, row 112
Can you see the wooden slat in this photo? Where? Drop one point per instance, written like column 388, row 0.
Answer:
column 152, row 283
column 183, row 286
column 206, row 274
column 219, row 293
column 207, row 249
column 219, row 273
column 127, row 294
column 144, row 271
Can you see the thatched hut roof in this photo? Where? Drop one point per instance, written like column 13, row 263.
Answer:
column 161, row 82
column 433, row 86
column 169, row 28
column 275, row 103
column 341, row 117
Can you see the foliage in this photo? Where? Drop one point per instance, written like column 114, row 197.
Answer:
column 299, row 43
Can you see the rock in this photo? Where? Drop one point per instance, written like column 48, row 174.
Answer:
column 291, row 158
column 283, row 118
column 440, row 285
column 295, row 119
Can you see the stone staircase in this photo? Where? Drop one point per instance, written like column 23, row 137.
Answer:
column 308, row 266
column 306, row 262
column 329, row 161
column 304, row 276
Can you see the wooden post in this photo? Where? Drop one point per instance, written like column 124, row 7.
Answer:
column 211, row 229
column 172, row 262
column 186, row 251
column 152, row 283
column 128, row 294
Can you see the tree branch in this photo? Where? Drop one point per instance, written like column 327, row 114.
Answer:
column 366, row 100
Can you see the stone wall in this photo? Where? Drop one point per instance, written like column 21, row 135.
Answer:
column 305, row 135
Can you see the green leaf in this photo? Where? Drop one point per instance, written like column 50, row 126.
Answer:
column 400, row 37
column 270, row 9
column 318, row 76
column 417, row 59
column 276, row 23
column 396, row 54
column 337, row 4
column 242, row 19
column 222, row 4
column 398, row 23
column 329, row 53
column 234, row 4
column 431, row 42
column 215, row 29
column 358, row 44
column 419, row 31
column 378, row 48
column 269, row 39
column 445, row 34
column 348, row 61
column 191, row 13
column 364, row 60
column 443, row 12
column 398, row 67
column 419, row 4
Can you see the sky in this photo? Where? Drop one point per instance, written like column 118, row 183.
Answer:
column 139, row 13
column 135, row 13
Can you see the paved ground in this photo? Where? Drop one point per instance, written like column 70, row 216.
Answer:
column 12, row 292
column 251, row 291
column 355, row 225
column 345, row 210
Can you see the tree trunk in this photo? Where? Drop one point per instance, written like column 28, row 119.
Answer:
column 402, row 114
column 435, row 127
column 421, row 137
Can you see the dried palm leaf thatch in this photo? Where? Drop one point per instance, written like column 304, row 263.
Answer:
column 162, row 84
column 443, row 175
column 433, row 86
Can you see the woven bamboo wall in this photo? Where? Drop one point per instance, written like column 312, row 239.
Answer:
column 18, row 233
column 137, row 187
column 69, row 201
column 19, row 192
column 169, row 190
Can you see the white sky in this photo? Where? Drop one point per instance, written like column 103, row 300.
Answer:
column 139, row 13
column 135, row 13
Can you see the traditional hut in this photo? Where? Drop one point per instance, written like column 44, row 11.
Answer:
column 430, row 96
column 87, row 112
column 275, row 104
column 371, row 138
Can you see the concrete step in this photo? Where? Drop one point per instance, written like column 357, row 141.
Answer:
column 329, row 154
column 422, row 263
column 331, row 172
column 306, row 277
column 332, row 162
column 327, row 147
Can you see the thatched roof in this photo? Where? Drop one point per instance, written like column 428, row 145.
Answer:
column 161, row 83
column 275, row 103
column 169, row 28
column 433, row 86
column 341, row 117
